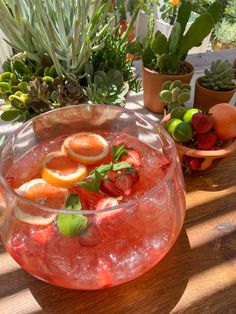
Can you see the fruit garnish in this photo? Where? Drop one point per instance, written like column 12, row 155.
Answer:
column 10, row 180
column 107, row 215
column 95, row 177
column 132, row 157
column 61, row 171
column 72, row 224
column 42, row 236
column 183, row 132
column 205, row 141
column 108, row 187
column 86, row 148
column 118, row 152
column 189, row 114
column 43, row 193
column 202, row 123
column 178, row 113
column 124, row 183
column 195, row 163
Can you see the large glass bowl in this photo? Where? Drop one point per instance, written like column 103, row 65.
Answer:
column 138, row 234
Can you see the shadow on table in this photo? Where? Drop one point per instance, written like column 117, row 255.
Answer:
column 148, row 294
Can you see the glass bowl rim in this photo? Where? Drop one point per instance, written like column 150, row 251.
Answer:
column 90, row 211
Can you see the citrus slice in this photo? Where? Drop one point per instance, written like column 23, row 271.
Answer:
column 42, row 193
column 60, row 170
column 87, row 148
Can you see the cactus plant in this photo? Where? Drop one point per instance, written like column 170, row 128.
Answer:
column 219, row 77
column 166, row 54
column 175, row 94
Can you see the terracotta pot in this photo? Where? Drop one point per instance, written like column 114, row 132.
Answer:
column 152, row 84
column 205, row 98
column 210, row 157
column 123, row 27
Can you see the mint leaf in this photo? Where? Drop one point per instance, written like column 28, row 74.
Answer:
column 118, row 152
column 73, row 202
column 70, row 225
column 121, row 165
column 94, row 184
column 96, row 176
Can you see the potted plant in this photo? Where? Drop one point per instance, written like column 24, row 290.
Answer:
column 164, row 59
column 49, row 67
column 175, row 94
column 203, row 140
column 224, row 35
column 216, row 86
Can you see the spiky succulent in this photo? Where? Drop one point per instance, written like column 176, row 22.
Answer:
column 175, row 94
column 219, row 77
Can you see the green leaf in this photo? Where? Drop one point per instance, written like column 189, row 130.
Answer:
column 92, row 185
column 174, row 38
column 102, row 170
column 121, row 165
column 10, row 115
column 72, row 224
column 183, row 16
column 73, row 202
column 118, row 152
column 159, row 44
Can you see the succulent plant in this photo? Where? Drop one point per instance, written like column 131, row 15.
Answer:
column 70, row 92
column 106, row 87
column 219, row 77
column 175, row 94
column 166, row 54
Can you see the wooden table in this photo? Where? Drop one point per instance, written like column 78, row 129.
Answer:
column 197, row 276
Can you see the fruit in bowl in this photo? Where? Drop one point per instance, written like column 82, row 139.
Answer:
column 203, row 140
column 88, row 207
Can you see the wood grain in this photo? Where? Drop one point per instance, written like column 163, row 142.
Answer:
column 197, row 276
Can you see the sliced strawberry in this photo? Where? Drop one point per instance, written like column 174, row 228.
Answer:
column 132, row 157
column 10, row 180
column 109, row 188
column 91, row 236
column 124, row 183
column 110, row 214
column 112, row 175
column 42, row 236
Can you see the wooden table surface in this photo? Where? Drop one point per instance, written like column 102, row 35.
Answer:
column 197, row 276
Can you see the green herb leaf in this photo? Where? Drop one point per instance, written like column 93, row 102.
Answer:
column 118, row 152
column 72, row 224
column 92, row 185
column 99, row 173
column 73, row 202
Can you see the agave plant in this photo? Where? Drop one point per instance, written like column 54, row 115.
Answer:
column 68, row 33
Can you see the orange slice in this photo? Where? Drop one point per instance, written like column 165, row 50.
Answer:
column 44, row 194
column 60, row 170
column 87, row 148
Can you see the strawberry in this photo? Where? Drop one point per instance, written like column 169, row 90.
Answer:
column 42, row 235
column 112, row 175
column 106, row 202
column 10, row 180
column 109, row 188
column 124, row 183
column 205, row 141
column 194, row 163
column 107, row 215
column 202, row 123
column 91, row 236
column 132, row 157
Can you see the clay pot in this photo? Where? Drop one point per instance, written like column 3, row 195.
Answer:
column 210, row 157
column 123, row 27
column 152, row 85
column 205, row 98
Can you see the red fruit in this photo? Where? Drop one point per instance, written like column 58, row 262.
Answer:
column 106, row 216
column 132, row 157
column 135, row 177
column 202, row 123
column 10, row 180
column 195, row 163
column 112, row 175
column 216, row 148
column 42, row 236
column 91, row 236
column 205, row 141
column 109, row 188
column 124, row 183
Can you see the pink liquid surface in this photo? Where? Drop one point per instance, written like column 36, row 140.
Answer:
column 122, row 245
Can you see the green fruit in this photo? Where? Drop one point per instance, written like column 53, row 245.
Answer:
column 189, row 114
column 178, row 112
column 183, row 132
column 172, row 124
